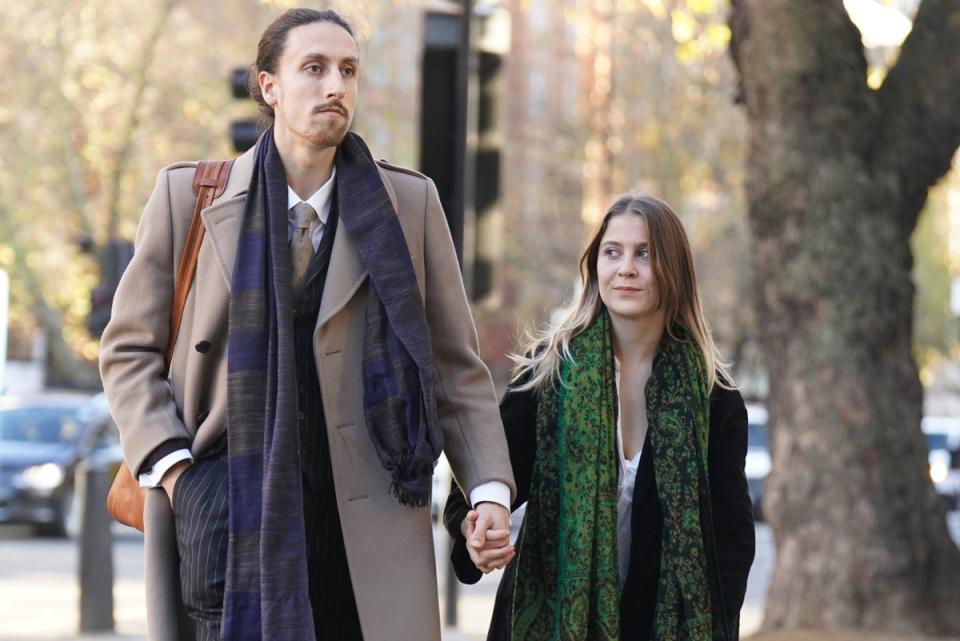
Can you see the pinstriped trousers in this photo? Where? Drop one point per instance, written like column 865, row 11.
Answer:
column 201, row 517
column 200, row 514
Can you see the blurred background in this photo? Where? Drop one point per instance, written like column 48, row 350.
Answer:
column 769, row 126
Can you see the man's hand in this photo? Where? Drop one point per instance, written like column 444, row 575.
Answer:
column 487, row 530
column 169, row 479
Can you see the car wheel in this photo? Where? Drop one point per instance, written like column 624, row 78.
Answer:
column 67, row 521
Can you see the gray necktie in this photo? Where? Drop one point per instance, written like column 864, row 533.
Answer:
column 301, row 245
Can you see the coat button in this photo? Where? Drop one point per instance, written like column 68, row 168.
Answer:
column 203, row 347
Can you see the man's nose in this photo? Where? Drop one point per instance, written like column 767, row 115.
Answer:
column 336, row 87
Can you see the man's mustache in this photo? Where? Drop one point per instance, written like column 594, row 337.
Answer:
column 335, row 105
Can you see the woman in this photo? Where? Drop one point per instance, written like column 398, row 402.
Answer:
column 627, row 440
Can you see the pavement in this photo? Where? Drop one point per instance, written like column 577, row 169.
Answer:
column 39, row 592
column 837, row 635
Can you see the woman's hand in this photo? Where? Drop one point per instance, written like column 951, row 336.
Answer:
column 489, row 548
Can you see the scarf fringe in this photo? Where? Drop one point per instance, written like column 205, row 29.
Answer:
column 398, row 363
column 412, row 481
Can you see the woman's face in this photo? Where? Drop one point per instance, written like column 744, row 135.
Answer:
column 626, row 281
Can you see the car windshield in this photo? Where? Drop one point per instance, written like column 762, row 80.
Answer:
column 756, row 436
column 39, row 424
column 936, row 441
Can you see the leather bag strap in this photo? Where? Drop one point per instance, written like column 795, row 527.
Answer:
column 209, row 183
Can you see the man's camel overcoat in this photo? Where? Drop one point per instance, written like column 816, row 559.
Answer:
column 389, row 546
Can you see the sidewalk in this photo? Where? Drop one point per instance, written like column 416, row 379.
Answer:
column 811, row 635
column 39, row 594
column 783, row 635
column 448, row 635
column 39, row 591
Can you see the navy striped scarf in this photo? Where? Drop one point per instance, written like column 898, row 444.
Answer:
column 266, row 592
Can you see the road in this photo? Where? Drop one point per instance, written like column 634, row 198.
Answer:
column 39, row 592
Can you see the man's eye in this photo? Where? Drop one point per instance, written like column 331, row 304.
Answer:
column 349, row 71
column 313, row 68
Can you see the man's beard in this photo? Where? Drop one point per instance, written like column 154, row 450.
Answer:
column 330, row 137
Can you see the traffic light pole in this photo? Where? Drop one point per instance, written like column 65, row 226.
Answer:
column 463, row 198
column 461, row 130
column 466, row 142
column 245, row 131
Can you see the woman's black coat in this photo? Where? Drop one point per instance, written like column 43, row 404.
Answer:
column 732, row 516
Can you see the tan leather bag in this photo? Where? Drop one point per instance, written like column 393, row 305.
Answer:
column 126, row 498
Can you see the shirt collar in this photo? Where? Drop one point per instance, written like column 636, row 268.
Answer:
column 320, row 200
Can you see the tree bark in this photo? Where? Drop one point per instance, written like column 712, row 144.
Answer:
column 837, row 175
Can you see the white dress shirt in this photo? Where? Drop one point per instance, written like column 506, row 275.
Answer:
column 494, row 491
column 320, row 201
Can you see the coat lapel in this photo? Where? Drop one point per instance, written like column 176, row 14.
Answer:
column 222, row 219
column 346, row 272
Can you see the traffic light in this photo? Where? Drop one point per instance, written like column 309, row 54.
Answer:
column 441, row 135
column 101, row 302
column 458, row 97
column 113, row 258
column 493, row 42
column 243, row 132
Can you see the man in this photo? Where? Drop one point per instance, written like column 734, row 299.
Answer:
column 325, row 356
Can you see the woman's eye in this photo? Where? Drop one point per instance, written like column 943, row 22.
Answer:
column 313, row 68
column 644, row 253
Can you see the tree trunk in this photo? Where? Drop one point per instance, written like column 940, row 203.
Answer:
column 836, row 180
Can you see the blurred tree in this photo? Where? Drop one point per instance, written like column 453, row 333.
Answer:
column 837, row 175
column 100, row 96
column 58, row 160
column 605, row 97
column 936, row 328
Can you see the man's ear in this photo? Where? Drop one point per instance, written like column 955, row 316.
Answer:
column 268, row 87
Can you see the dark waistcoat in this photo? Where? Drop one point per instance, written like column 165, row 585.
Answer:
column 331, row 592
column 314, row 450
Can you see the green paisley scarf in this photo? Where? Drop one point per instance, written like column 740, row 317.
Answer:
column 567, row 586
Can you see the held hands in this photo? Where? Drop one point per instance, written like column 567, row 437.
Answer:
column 487, row 530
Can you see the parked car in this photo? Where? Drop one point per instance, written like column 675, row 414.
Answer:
column 943, row 454
column 758, row 461
column 43, row 437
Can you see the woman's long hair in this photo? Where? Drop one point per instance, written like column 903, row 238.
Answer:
column 672, row 264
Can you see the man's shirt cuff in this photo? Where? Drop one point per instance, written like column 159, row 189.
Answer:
column 491, row 492
column 152, row 479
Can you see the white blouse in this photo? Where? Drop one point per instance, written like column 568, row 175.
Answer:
column 627, row 479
